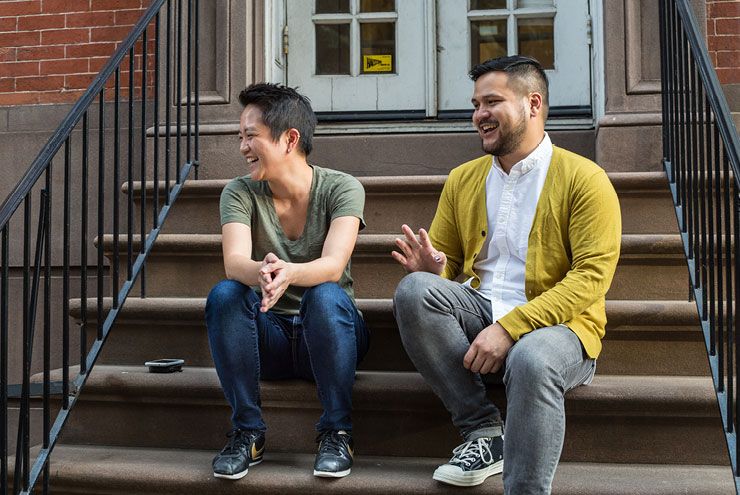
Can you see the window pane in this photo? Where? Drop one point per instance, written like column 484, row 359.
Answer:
column 535, row 40
column 523, row 4
column 378, row 47
column 487, row 4
column 377, row 5
column 332, row 48
column 488, row 40
column 332, row 6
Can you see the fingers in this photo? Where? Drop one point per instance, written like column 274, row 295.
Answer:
column 399, row 258
column 410, row 237
column 270, row 258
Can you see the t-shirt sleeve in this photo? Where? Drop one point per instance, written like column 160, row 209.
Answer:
column 348, row 200
column 236, row 204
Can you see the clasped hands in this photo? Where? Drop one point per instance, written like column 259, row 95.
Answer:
column 273, row 279
column 487, row 353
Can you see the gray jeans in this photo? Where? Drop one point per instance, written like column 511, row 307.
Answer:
column 438, row 319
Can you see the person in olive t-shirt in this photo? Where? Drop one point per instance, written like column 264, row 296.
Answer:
column 286, row 309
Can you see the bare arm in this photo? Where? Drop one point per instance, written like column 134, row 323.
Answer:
column 236, row 243
column 338, row 247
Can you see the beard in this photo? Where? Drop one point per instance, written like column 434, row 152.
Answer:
column 510, row 137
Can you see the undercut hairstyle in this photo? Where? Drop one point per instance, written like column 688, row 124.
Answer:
column 282, row 108
column 525, row 75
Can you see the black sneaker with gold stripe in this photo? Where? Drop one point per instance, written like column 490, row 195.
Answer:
column 244, row 449
column 335, row 456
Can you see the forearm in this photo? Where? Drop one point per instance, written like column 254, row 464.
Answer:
column 318, row 271
column 242, row 269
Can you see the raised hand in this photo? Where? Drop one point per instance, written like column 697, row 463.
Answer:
column 418, row 255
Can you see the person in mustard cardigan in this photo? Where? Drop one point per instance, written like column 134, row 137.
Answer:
column 534, row 231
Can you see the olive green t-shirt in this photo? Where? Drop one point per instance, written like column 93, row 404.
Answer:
column 333, row 194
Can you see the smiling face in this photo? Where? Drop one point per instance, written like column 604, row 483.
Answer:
column 501, row 115
column 261, row 152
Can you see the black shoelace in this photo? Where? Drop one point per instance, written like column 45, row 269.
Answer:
column 330, row 442
column 238, row 439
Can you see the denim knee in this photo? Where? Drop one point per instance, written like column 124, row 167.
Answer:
column 326, row 295
column 228, row 296
column 412, row 289
column 527, row 365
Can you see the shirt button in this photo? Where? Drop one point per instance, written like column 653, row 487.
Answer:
column 483, row 233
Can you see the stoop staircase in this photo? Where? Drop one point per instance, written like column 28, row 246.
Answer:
column 648, row 424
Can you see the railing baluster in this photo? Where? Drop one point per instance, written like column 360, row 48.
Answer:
column 155, row 173
column 197, row 88
column 130, row 198
column 730, row 204
column 703, row 170
column 47, row 326
column 720, row 274
column 142, row 178
column 178, row 99
column 101, row 210
column 115, row 278
column 168, row 105
column 4, row 315
column 66, row 276
column 188, row 78
column 22, row 449
column 83, row 245
column 713, row 181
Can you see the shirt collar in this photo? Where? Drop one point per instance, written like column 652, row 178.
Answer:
column 531, row 161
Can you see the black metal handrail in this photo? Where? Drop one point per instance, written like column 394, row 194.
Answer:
column 701, row 156
column 15, row 224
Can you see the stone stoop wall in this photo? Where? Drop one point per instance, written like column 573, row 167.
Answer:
column 51, row 50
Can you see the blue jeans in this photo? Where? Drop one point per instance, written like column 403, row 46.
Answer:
column 438, row 319
column 323, row 343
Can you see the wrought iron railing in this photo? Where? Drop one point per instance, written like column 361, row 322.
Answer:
column 701, row 156
column 166, row 34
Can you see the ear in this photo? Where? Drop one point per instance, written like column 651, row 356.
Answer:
column 293, row 138
column 535, row 104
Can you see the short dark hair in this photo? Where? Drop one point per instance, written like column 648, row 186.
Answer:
column 282, row 108
column 525, row 75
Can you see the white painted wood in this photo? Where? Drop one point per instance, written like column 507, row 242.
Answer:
column 404, row 90
column 570, row 81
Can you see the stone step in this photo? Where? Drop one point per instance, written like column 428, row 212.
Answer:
column 123, row 471
column 392, row 201
column 626, row 419
column 642, row 338
column 414, row 152
column 188, row 265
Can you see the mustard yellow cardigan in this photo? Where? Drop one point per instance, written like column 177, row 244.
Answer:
column 572, row 251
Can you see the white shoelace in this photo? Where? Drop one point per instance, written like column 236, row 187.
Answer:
column 468, row 452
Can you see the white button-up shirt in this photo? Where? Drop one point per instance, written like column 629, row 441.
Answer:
column 511, row 200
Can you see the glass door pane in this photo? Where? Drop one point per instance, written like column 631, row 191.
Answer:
column 377, row 5
column 378, row 47
column 536, row 40
column 487, row 40
column 332, row 49
column 332, row 6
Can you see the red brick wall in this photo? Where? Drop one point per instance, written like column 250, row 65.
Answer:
column 723, row 38
column 50, row 50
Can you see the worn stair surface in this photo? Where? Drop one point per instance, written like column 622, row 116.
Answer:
column 615, row 419
column 648, row 424
column 99, row 470
column 188, row 265
column 643, row 337
column 644, row 198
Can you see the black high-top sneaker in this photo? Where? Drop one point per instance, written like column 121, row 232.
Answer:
column 244, row 449
column 335, row 456
column 473, row 462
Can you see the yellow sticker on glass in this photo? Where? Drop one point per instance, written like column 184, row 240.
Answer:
column 377, row 63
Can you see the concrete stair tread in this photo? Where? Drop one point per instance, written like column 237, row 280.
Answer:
column 371, row 244
column 635, row 396
column 622, row 181
column 109, row 469
column 619, row 312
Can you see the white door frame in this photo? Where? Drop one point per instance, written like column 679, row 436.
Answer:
column 275, row 71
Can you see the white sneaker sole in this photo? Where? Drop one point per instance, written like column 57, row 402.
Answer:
column 236, row 476
column 330, row 474
column 453, row 476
